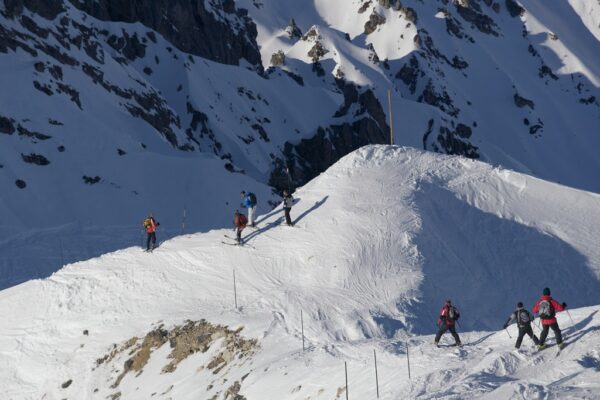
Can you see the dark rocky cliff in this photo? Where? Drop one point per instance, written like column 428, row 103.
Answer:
column 223, row 34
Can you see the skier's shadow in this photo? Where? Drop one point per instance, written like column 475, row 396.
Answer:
column 576, row 332
column 313, row 208
column 278, row 222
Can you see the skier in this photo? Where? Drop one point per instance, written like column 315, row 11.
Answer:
column 288, row 201
column 546, row 307
column 249, row 202
column 150, row 225
column 239, row 221
column 523, row 319
column 448, row 317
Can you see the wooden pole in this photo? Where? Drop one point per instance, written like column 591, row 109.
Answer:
column 234, row 291
column 346, row 372
column 376, row 376
column 302, row 324
column 183, row 221
column 391, row 120
column 408, row 361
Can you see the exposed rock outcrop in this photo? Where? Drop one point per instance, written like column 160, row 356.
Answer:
column 310, row 157
column 188, row 25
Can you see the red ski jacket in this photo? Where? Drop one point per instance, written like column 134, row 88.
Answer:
column 240, row 220
column 555, row 304
column 444, row 316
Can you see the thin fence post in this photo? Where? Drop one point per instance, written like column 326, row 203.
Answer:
column 62, row 255
column 346, row 372
column 183, row 221
column 391, row 121
column 235, row 291
column 302, row 325
column 408, row 362
column 376, row 376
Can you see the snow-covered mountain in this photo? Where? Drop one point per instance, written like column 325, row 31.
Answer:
column 381, row 240
column 113, row 109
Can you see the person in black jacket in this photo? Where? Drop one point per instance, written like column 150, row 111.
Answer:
column 523, row 319
column 288, row 201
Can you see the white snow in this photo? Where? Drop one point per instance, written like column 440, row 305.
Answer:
column 381, row 240
column 58, row 219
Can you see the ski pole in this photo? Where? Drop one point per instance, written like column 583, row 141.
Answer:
column 572, row 323
column 464, row 332
column 506, row 329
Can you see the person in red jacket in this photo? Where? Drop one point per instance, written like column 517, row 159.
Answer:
column 239, row 221
column 448, row 317
column 150, row 225
column 546, row 307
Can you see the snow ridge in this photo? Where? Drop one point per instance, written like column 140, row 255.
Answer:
column 381, row 240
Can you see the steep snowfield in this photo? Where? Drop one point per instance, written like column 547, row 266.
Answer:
column 105, row 121
column 381, row 240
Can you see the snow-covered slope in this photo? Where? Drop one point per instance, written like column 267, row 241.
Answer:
column 381, row 240
column 113, row 109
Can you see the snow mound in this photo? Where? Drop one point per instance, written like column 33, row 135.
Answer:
column 380, row 241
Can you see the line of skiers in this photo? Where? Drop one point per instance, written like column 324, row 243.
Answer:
column 546, row 308
column 240, row 221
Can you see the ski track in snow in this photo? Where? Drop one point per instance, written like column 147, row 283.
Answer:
column 381, row 240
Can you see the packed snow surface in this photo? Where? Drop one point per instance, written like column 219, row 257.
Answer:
column 380, row 241
column 118, row 135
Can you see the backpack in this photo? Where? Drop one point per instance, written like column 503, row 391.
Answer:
column 546, row 310
column 523, row 317
column 452, row 314
column 252, row 198
column 242, row 220
column 147, row 223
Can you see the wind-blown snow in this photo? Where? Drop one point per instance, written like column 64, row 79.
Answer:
column 381, row 240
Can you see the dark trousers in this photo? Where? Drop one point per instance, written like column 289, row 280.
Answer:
column 525, row 330
column 238, row 234
column 286, row 212
column 151, row 238
column 443, row 329
column 556, row 330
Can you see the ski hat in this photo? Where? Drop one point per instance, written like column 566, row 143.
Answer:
column 546, row 292
column 448, row 302
column 519, row 305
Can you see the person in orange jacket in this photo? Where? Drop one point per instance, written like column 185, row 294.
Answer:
column 546, row 307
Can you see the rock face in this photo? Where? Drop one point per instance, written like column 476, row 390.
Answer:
column 374, row 21
column 227, row 349
column 293, row 31
column 188, row 25
column 308, row 158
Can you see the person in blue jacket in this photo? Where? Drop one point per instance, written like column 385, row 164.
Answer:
column 249, row 202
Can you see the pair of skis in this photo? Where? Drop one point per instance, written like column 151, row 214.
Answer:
column 560, row 349
column 235, row 243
